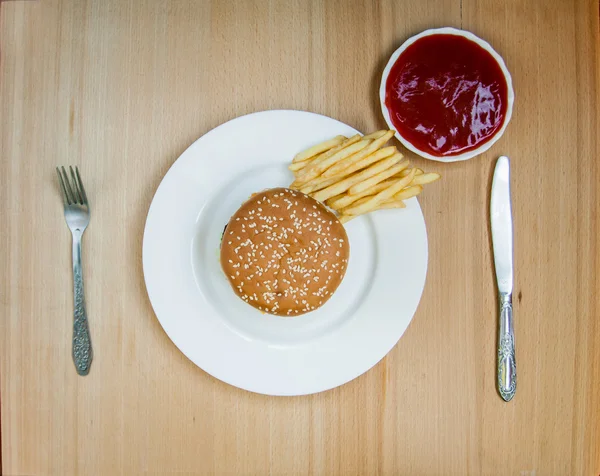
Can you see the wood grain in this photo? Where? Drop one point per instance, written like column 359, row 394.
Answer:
column 122, row 88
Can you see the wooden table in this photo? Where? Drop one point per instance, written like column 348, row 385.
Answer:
column 121, row 88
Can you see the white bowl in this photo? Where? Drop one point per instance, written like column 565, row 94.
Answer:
column 486, row 46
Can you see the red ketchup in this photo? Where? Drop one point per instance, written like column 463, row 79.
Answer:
column 446, row 95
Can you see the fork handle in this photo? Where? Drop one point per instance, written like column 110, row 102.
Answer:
column 82, row 344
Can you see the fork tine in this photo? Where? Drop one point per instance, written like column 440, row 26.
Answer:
column 78, row 197
column 70, row 194
column 81, row 189
column 62, row 187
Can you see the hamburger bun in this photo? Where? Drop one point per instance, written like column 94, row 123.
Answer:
column 284, row 253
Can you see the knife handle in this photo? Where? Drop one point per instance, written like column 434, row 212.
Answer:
column 507, row 365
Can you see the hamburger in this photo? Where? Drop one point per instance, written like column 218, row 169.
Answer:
column 284, row 253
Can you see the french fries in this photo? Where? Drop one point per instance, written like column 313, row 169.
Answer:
column 408, row 192
column 343, row 200
column 322, row 164
column 355, row 179
column 386, row 194
column 358, row 175
column 374, row 135
column 317, row 149
column 391, row 204
column 425, row 178
column 296, row 166
column 344, row 218
column 327, row 154
column 319, row 158
column 372, row 147
column 380, row 177
column 373, row 201
column 317, row 185
column 404, row 173
column 344, row 167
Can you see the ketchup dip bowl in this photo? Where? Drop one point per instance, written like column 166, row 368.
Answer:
column 447, row 94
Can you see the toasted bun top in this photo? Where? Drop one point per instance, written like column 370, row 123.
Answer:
column 284, row 252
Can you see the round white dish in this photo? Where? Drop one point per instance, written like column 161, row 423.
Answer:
column 225, row 336
column 486, row 46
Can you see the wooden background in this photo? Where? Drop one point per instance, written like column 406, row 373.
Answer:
column 121, row 88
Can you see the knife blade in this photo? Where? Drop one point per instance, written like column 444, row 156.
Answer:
column 502, row 240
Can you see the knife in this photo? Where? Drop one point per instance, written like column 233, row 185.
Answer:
column 502, row 240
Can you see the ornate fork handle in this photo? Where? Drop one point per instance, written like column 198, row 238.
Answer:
column 507, row 366
column 82, row 344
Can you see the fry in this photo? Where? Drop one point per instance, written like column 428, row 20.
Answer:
column 372, row 147
column 395, row 188
column 360, row 202
column 408, row 192
column 352, row 180
column 325, row 155
column 391, row 204
column 298, row 182
column 380, row 177
column 299, row 165
column 426, row 178
column 346, row 168
column 345, row 200
column 317, row 149
column 372, row 202
column 375, row 135
column 332, row 200
column 404, row 173
column 324, row 183
column 360, row 208
column 318, row 167
column 296, row 166
column 314, row 183
column 318, row 184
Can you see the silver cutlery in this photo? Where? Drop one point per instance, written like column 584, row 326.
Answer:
column 77, row 215
column 502, row 239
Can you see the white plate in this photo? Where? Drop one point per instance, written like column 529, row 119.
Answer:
column 225, row 336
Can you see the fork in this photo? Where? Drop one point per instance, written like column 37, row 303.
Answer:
column 77, row 216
